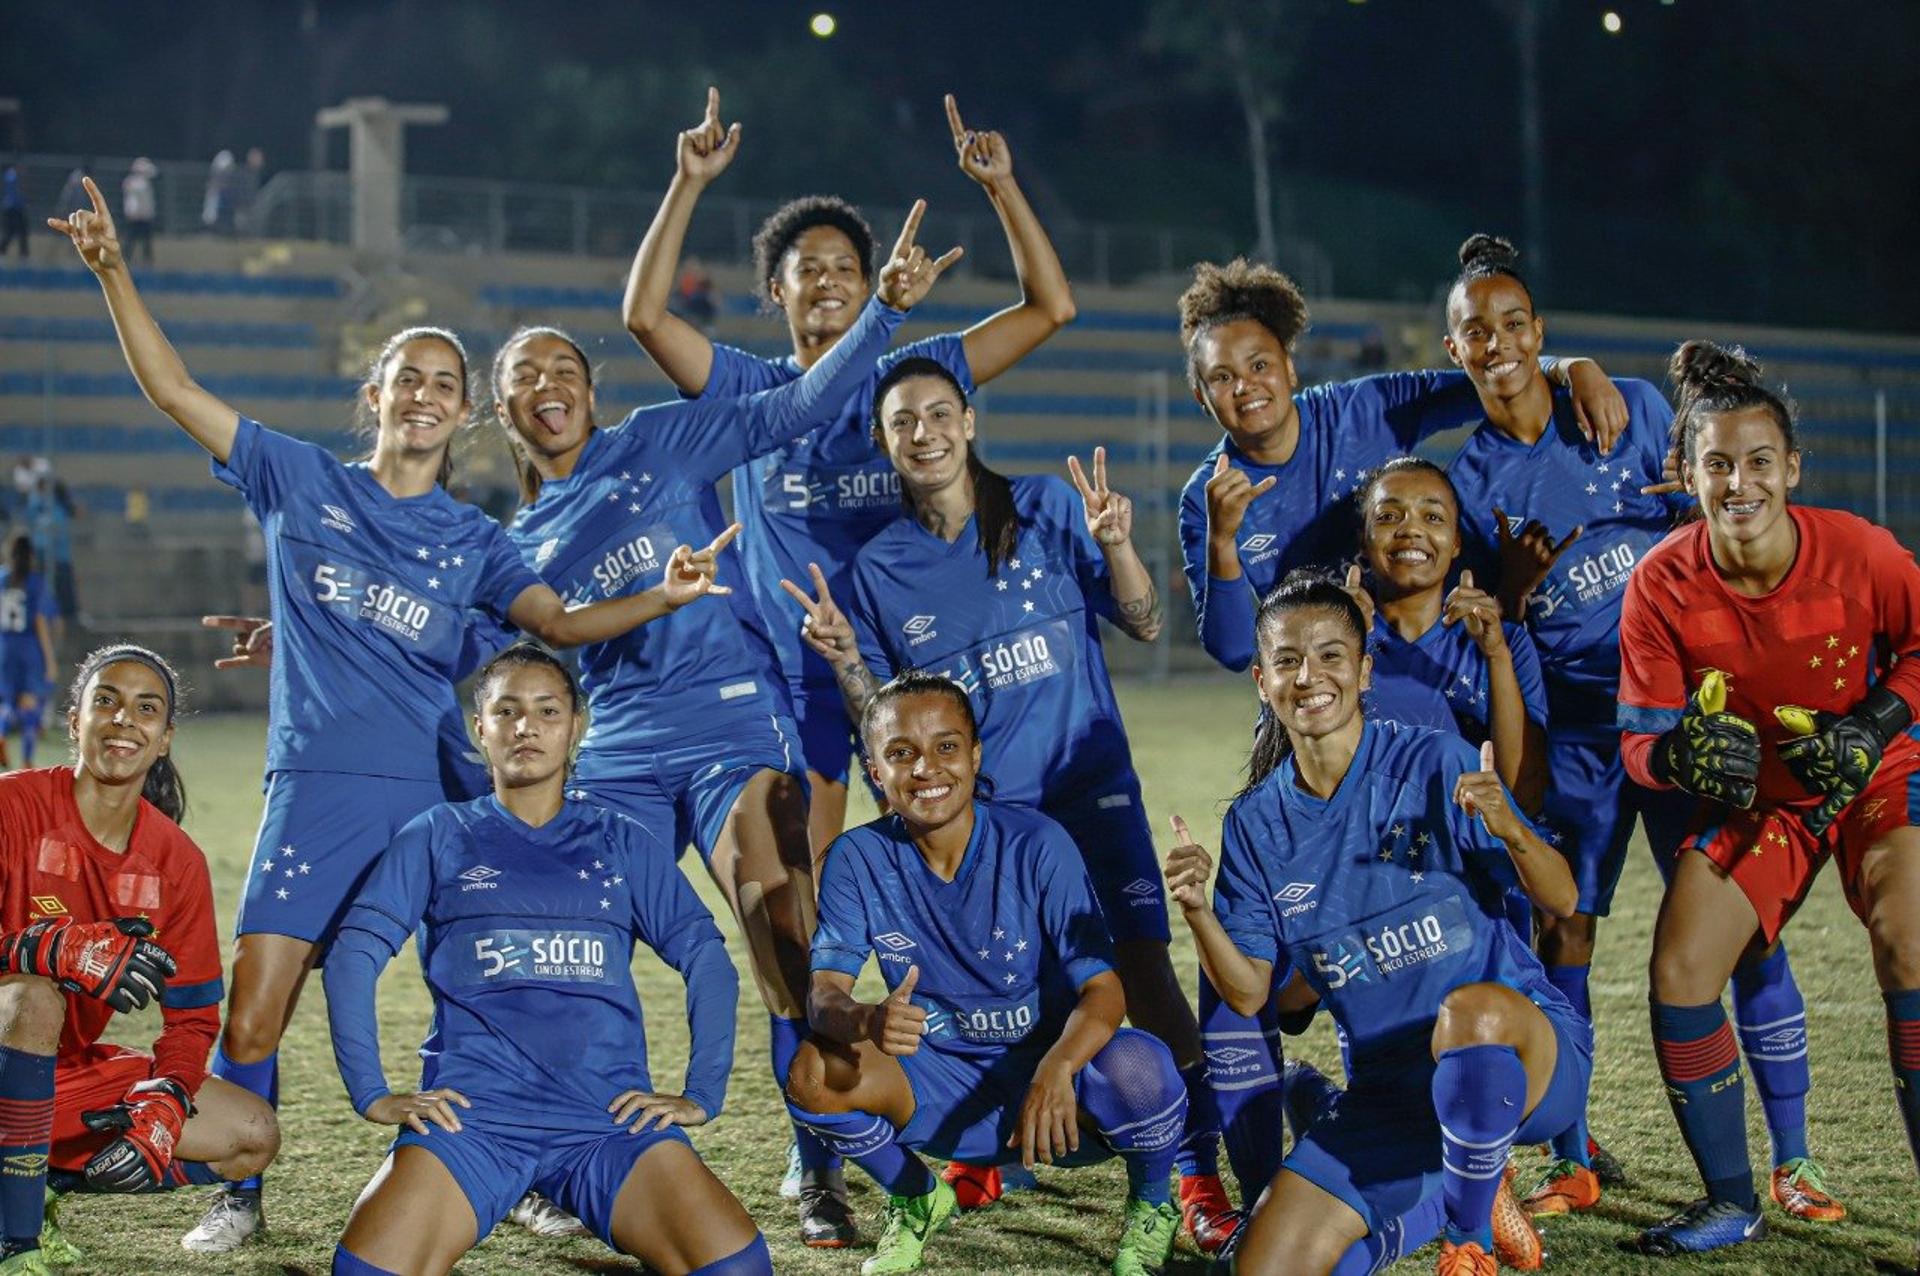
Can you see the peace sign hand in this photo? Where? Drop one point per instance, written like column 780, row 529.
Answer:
column 983, row 156
column 704, row 151
column 690, row 572
column 1109, row 514
column 92, row 232
column 825, row 628
column 1525, row 560
column 1188, row 870
column 1479, row 612
column 908, row 275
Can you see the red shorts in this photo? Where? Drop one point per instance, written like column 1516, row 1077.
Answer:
column 96, row 1077
column 1773, row 858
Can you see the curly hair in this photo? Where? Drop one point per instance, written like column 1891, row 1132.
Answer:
column 797, row 216
column 1242, row 289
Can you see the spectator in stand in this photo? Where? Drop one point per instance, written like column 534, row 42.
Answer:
column 694, row 298
column 13, row 211
column 216, row 210
column 138, row 207
column 246, row 191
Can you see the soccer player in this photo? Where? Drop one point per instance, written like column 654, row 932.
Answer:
column 1373, row 858
column 27, row 670
column 691, row 733
column 1770, row 665
column 536, row 1074
column 105, row 906
column 1000, row 1034
column 373, row 570
column 999, row 583
column 1558, row 528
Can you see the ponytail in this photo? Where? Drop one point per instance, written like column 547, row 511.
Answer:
column 165, row 789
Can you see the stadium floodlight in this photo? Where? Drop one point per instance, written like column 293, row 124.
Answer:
column 1610, row 22
column 823, row 25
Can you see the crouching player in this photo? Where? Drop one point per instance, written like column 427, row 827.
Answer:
column 106, row 906
column 535, row 1074
column 1390, row 849
column 1000, row 1036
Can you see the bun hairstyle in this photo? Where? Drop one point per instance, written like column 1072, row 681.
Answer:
column 1303, row 588
column 523, row 471
column 1241, row 289
column 1709, row 379
column 377, row 373
column 163, row 786
column 993, row 513
column 1484, row 256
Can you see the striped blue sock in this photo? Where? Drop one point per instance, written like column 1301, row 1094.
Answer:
column 1480, row 1096
column 1772, row 1018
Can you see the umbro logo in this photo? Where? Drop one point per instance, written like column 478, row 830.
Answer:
column 1294, row 892
column 894, row 940
column 336, row 518
column 546, row 551
column 1254, row 544
column 1145, row 892
column 480, row 878
column 49, row 906
column 1227, row 1056
column 918, row 624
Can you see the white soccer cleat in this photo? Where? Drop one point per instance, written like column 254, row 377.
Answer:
column 227, row 1225
column 543, row 1218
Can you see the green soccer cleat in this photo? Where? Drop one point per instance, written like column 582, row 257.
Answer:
column 1148, row 1238
column 54, row 1244
column 911, row 1221
column 32, row 1262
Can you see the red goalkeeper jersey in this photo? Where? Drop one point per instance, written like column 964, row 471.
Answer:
column 51, row 866
column 1847, row 611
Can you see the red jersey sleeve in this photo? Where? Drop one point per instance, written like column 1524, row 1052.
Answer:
column 190, row 1007
column 1653, row 679
column 1896, row 605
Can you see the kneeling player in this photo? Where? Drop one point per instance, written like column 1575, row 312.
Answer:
column 1459, row 1044
column 92, row 864
column 1000, row 1037
column 536, row 1078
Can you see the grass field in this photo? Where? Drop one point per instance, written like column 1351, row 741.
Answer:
column 1190, row 741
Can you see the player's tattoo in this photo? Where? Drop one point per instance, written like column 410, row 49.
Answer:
column 1140, row 617
column 857, row 685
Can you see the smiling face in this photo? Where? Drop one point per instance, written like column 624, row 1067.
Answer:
column 1410, row 531
column 922, row 752
column 120, row 725
column 1741, row 470
column 545, row 394
column 1312, row 671
column 1245, row 381
column 820, row 285
column 420, row 398
column 527, row 724
column 926, row 433
column 1494, row 336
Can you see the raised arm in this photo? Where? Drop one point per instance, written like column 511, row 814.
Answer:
column 163, row 378
column 1110, row 522
column 1001, row 340
column 1243, row 982
column 1518, row 741
column 678, row 348
column 1543, row 871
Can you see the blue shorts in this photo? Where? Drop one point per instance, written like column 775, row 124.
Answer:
column 1114, row 840
column 319, row 836
column 1590, row 810
column 827, row 740
column 684, row 794
column 23, row 672
column 1378, row 1147
column 581, row 1171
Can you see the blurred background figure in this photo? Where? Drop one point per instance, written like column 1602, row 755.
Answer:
column 138, row 209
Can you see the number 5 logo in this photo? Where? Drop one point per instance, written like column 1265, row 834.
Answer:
column 327, row 577
column 485, row 951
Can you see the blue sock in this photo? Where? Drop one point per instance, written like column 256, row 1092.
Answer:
column 29, row 735
column 753, row 1260
column 191, row 1174
column 1244, row 1080
column 1199, row 1149
column 869, row 1142
column 261, row 1078
column 26, row 1129
column 1480, row 1096
column 1394, row 1240
column 1903, row 1049
column 1138, row 1102
column 1772, row 1017
column 1701, row 1066
column 346, row 1264
column 784, row 1038
column 1571, row 1143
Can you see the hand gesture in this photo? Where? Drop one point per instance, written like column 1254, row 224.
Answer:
column 897, row 1024
column 1189, row 869
column 1599, row 409
column 1229, row 492
column 415, row 1110
column 1480, row 793
column 825, row 628
column 92, row 232
column 1480, row 613
column 908, row 275
column 1109, row 514
column 1361, row 598
column 1049, row 1121
column 704, row 151
column 1525, row 560
column 252, row 641
column 690, row 572
column 983, row 156
column 1711, row 753
column 110, row 961
column 655, row 1111
column 1670, row 480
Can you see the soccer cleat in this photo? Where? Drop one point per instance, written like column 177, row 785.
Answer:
column 543, row 1218
column 1605, row 1165
column 1703, row 1225
column 227, row 1225
column 1516, row 1242
column 978, row 1186
column 1148, row 1238
column 1465, row 1260
column 30, row 1262
column 790, row 1181
column 1800, row 1188
column 826, row 1221
column 60, row 1251
column 1565, row 1186
column 911, row 1222
column 1207, row 1211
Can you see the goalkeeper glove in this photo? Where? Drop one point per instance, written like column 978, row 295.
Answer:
column 112, row 961
column 148, row 1121
column 1835, row 756
column 1711, row 753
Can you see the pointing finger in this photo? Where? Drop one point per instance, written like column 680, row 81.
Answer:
column 1572, row 536
column 713, row 106
column 93, row 193
column 953, row 120
column 244, row 624
column 911, row 229
column 723, row 540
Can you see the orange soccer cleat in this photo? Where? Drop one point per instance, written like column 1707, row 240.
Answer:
column 1800, row 1188
column 1465, row 1260
column 1516, row 1242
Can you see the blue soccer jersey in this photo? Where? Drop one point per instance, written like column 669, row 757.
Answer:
column 1562, row 481
column 370, row 594
column 644, row 486
column 1346, row 429
column 1386, row 896
column 1440, row 679
column 20, row 605
column 526, row 948
column 818, row 498
column 1002, row 949
column 1025, row 643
